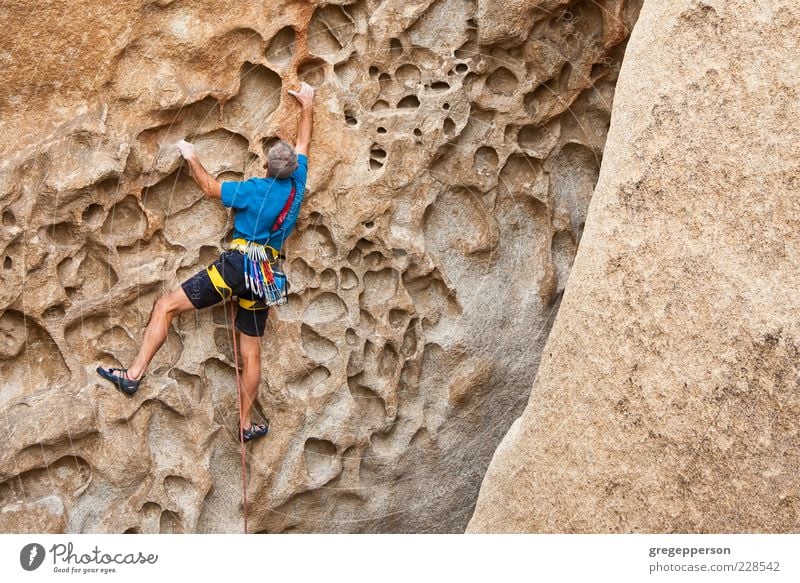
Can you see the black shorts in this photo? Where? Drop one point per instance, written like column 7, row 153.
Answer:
column 202, row 293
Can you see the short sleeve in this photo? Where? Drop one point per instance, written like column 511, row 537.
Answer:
column 234, row 194
column 302, row 169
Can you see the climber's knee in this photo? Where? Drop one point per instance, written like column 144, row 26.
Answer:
column 173, row 303
column 250, row 348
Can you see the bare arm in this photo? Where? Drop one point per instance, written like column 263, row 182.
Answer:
column 207, row 183
column 306, row 98
column 304, row 131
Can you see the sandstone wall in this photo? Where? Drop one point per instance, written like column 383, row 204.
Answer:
column 668, row 396
column 456, row 146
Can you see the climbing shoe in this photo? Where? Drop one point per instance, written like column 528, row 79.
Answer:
column 255, row 430
column 121, row 380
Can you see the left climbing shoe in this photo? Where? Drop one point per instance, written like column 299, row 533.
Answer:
column 255, row 430
column 123, row 383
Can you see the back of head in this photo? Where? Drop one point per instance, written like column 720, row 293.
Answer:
column 281, row 160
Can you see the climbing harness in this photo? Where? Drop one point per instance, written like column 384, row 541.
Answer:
column 225, row 291
column 262, row 275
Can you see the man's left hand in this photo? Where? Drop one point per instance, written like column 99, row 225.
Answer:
column 187, row 150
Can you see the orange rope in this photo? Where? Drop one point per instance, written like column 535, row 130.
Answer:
column 241, row 427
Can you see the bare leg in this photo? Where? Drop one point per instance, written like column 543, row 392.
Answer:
column 165, row 309
column 250, row 348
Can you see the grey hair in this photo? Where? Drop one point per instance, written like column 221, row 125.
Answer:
column 281, row 160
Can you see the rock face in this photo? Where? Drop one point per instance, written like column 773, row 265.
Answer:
column 456, row 146
column 668, row 396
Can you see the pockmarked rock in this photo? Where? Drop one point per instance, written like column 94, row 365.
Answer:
column 455, row 152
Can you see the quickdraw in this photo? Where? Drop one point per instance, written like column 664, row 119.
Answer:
column 261, row 273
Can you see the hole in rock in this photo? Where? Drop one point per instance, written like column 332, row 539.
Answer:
column 462, row 68
column 168, row 523
column 486, row 160
column 306, row 384
column 449, row 127
column 418, row 132
column 330, row 29
column 469, row 81
column 172, row 193
column 397, row 317
column 326, row 307
column 317, row 347
column 407, row 73
column 373, row 260
column 7, row 263
column 502, row 81
column 65, row 233
column 373, row 71
column 408, row 102
column 440, row 86
column 281, row 47
column 381, row 130
column 531, row 137
column 380, row 105
column 379, row 287
column 544, row 94
column 377, row 158
column 93, row 214
column 259, row 92
column 354, row 257
column 55, row 312
column 395, row 47
column 364, row 245
column 9, row 220
column 300, row 274
column 350, row 119
column 446, row 106
column 349, row 278
column 328, row 278
column 320, row 458
column 312, row 72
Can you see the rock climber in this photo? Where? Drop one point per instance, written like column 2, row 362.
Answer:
column 265, row 211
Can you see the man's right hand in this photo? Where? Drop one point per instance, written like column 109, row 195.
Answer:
column 305, row 96
column 187, row 150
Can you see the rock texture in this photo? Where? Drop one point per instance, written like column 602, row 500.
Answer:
column 668, row 397
column 456, row 146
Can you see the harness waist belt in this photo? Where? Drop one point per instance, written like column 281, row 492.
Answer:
column 246, row 246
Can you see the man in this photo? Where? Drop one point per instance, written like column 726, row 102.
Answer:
column 265, row 211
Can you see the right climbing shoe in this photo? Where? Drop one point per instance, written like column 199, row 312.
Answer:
column 255, row 430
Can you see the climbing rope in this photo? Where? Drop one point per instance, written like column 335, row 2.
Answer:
column 241, row 424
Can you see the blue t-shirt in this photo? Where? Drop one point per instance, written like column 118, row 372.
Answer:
column 258, row 202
